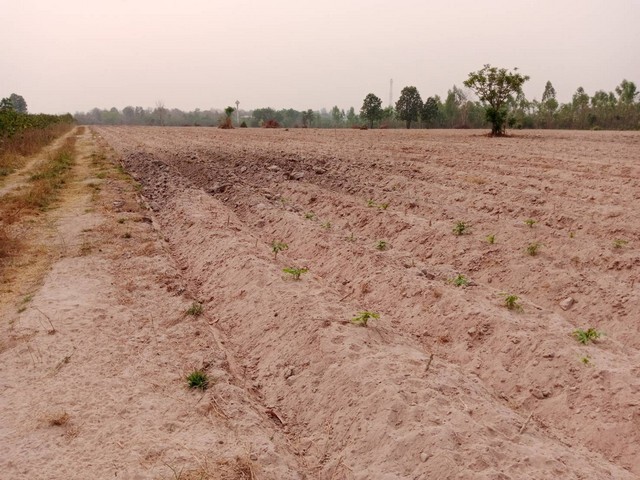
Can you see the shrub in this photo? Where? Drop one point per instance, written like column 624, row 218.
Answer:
column 586, row 336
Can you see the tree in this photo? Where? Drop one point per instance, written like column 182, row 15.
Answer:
column 429, row 112
column 352, row 118
column 409, row 105
column 19, row 105
column 627, row 92
column 307, row 118
column 371, row 109
column 337, row 115
column 494, row 86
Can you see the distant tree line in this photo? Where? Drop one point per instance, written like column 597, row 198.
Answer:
column 617, row 109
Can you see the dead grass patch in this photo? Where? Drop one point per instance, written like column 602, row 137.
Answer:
column 238, row 468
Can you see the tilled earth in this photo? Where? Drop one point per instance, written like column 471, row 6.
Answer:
column 448, row 382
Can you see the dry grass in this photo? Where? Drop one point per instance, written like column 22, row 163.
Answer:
column 42, row 190
column 236, row 469
column 29, row 142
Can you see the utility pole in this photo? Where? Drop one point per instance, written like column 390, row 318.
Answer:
column 238, row 112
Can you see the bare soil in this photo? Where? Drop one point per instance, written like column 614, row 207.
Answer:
column 447, row 383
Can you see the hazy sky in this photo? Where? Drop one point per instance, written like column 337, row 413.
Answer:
column 73, row 55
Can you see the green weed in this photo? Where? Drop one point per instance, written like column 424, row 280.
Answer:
column 363, row 317
column 277, row 246
column 196, row 309
column 586, row 336
column 198, row 379
column 512, row 302
column 461, row 228
column 295, row 272
column 382, row 245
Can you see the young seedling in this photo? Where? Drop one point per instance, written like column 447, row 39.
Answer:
column 371, row 203
column 363, row 317
column 383, row 206
column 326, row 225
column 532, row 249
column 512, row 302
column 619, row 243
column 295, row 272
column 460, row 281
column 309, row 215
column 586, row 336
column 530, row 222
column 586, row 360
column 196, row 309
column 461, row 228
column 491, row 239
column 198, row 379
column 277, row 247
column 381, row 245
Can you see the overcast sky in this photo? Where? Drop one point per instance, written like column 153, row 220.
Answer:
column 73, row 55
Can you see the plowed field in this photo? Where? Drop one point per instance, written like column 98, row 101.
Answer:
column 448, row 382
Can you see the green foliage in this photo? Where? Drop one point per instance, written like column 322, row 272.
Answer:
column 196, row 309
column 13, row 122
column 383, row 206
column 295, row 272
column 512, row 302
column 430, row 111
column 326, row 225
column 532, row 249
column 382, row 245
column 198, row 380
column 586, row 360
column 371, row 203
column 530, row 222
column 371, row 109
column 363, row 317
column 409, row 105
column 586, row 336
column 491, row 239
column 228, row 111
column 495, row 86
column 277, row 247
column 460, row 280
column 309, row 215
column 461, row 228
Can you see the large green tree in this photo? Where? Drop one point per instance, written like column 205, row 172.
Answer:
column 18, row 102
column 371, row 109
column 494, row 87
column 430, row 111
column 409, row 105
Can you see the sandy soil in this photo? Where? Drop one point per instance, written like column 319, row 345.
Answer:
column 448, row 383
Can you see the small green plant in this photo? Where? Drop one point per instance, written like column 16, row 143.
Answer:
column 586, row 336
column 196, row 309
column 363, row 317
column 586, row 360
column 295, row 272
column 371, row 203
column 512, row 302
column 309, row 216
column 460, row 280
column 383, row 206
column 277, row 247
column 530, row 222
column 461, row 228
column 198, row 379
column 619, row 243
column 326, row 225
column 382, row 245
column 532, row 249
column 491, row 239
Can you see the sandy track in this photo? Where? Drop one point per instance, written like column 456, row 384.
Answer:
column 357, row 403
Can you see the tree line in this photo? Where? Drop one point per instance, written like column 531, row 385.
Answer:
column 500, row 103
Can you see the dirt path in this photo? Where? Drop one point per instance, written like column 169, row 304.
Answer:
column 19, row 178
column 96, row 348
